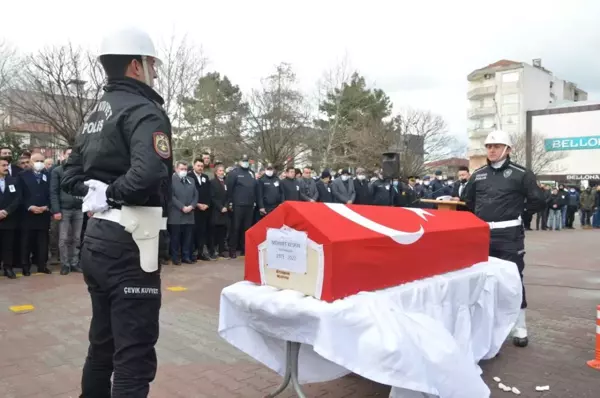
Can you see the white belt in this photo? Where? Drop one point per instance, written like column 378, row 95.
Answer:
column 505, row 224
column 144, row 224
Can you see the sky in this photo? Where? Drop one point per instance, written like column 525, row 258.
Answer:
column 419, row 52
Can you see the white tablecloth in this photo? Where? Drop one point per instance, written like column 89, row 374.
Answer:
column 425, row 336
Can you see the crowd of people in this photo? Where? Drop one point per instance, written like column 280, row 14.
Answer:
column 213, row 205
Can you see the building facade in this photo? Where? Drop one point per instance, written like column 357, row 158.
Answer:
column 500, row 95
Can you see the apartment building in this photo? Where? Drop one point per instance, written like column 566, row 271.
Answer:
column 500, row 95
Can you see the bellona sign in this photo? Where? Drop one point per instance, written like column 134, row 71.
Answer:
column 572, row 143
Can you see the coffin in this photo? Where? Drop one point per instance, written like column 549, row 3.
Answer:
column 331, row 251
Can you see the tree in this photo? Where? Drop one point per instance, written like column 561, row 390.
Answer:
column 8, row 61
column 214, row 116
column 422, row 137
column 353, row 122
column 542, row 161
column 14, row 143
column 278, row 121
column 53, row 91
column 183, row 64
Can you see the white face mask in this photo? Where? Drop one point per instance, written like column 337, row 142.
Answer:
column 439, row 177
column 269, row 173
column 245, row 165
column 38, row 166
column 360, row 177
column 345, row 178
column 450, row 183
column 425, row 183
column 417, row 181
column 182, row 174
column 572, row 189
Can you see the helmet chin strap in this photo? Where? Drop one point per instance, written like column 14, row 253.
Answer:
column 147, row 77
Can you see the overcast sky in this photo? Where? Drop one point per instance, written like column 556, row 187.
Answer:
column 419, row 52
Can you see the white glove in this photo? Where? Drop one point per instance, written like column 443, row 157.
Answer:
column 95, row 200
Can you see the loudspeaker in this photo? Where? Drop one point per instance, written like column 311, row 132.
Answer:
column 390, row 165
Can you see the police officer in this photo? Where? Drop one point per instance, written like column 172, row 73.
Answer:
column 381, row 191
column 122, row 164
column 269, row 191
column 242, row 194
column 496, row 193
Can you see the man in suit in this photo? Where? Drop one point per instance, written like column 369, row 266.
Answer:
column 202, row 211
column 36, row 217
column 458, row 190
column 181, row 215
column 10, row 196
column 342, row 188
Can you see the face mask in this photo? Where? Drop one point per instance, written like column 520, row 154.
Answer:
column 360, row 177
column 426, row 183
column 572, row 189
column 450, row 183
column 182, row 174
column 38, row 166
column 439, row 177
column 395, row 183
column 463, row 180
column 245, row 165
column 269, row 173
column 417, row 181
column 345, row 178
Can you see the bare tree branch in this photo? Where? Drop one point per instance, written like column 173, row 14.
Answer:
column 278, row 120
column 183, row 64
column 53, row 92
column 542, row 161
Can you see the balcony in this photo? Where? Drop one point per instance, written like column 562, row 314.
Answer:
column 481, row 112
column 480, row 132
column 480, row 92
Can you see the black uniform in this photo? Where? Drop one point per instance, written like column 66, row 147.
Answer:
column 125, row 143
column 499, row 195
column 290, row 187
column 269, row 193
column 242, row 193
column 382, row 193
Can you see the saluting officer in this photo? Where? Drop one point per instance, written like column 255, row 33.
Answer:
column 122, row 164
column 496, row 193
column 242, row 194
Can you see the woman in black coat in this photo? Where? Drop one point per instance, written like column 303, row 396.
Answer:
column 219, row 215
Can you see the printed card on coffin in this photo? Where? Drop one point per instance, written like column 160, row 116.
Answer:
column 331, row 251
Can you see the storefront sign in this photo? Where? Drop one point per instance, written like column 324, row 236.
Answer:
column 583, row 177
column 572, row 143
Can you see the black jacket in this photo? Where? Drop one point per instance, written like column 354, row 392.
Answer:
column 324, row 192
column 59, row 199
column 291, row 189
column 10, row 200
column 382, row 193
column 126, row 143
column 500, row 194
column 35, row 193
column 269, row 192
column 242, row 187
column 218, row 193
column 362, row 192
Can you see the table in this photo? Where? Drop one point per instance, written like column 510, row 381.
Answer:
column 425, row 336
column 444, row 204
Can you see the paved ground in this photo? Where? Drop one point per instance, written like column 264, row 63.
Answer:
column 41, row 352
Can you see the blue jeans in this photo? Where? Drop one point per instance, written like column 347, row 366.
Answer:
column 555, row 219
column 596, row 218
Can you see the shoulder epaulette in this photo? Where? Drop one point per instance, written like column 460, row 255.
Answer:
column 517, row 167
column 479, row 169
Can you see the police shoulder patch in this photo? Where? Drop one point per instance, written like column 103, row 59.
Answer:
column 162, row 147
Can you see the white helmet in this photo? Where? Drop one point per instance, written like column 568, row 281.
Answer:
column 129, row 41
column 498, row 137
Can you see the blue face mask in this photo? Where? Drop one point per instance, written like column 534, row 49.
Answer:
column 395, row 183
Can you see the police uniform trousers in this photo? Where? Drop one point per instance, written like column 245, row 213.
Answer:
column 242, row 221
column 125, row 314
column 509, row 244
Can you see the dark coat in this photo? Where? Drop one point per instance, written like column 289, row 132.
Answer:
column 218, row 193
column 35, row 194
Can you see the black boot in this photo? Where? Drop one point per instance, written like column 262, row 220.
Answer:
column 9, row 273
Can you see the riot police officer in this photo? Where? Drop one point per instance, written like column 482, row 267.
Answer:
column 269, row 191
column 496, row 193
column 242, row 195
column 122, row 164
column 381, row 191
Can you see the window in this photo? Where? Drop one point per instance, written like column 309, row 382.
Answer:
column 510, row 77
column 510, row 99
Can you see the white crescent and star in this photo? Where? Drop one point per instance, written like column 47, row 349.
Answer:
column 401, row 237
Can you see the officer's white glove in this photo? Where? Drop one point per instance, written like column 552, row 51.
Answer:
column 95, row 200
